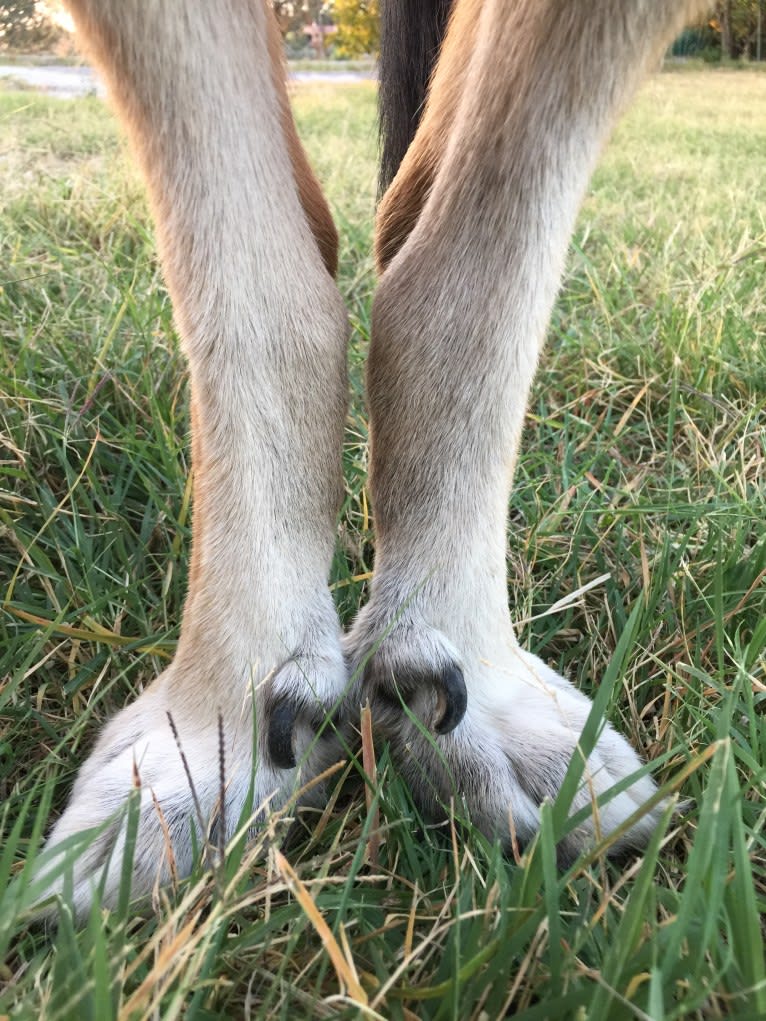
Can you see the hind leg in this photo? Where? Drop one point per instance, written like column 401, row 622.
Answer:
column 458, row 321
column 240, row 220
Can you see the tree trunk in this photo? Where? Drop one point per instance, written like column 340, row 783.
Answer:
column 727, row 39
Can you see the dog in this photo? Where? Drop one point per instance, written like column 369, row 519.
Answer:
column 487, row 152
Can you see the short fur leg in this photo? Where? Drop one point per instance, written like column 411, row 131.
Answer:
column 472, row 271
column 237, row 217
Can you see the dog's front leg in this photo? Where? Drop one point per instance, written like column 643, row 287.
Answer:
column 246, row 242
column 473, row 233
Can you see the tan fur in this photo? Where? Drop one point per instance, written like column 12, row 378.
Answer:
column 268, row 396
column 472, row 238
column 458, row 321
column 312, row 199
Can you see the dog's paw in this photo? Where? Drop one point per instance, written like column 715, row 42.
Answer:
column 193, row 759
column 497, row 731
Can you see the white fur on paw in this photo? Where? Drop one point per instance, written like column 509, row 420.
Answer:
column 529, row 720
column 178, row 777
column 512, row 748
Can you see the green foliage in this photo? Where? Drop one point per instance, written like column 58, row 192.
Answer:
column 644, row 458
column 26, row 25
column 698, row 41
column 358, row 27
column 737, row 25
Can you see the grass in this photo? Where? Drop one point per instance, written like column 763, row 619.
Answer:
column 644, row 472
column 12, row 57
column 365, row 65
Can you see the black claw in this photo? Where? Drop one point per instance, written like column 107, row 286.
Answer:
column 280, row 737
column 455, row 699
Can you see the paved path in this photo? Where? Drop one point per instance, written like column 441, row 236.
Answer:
column 69, row 82
column 57, row 80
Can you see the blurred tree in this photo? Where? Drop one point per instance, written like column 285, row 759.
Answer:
column 304, row 24
column 290, row 15
column 26, row 25
column 740, row 24
column 735, row 29
column 358, row 27
column 723, row 16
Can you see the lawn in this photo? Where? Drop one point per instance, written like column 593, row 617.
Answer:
column 637, row 557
